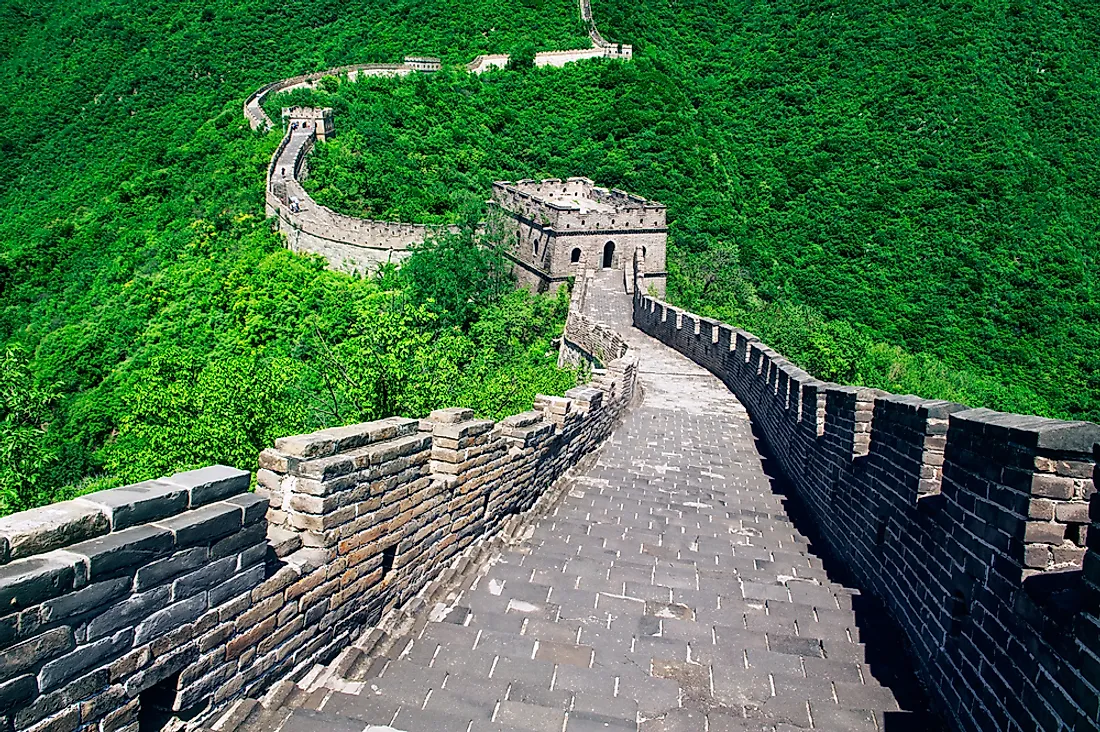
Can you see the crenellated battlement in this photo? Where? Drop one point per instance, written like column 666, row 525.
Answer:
column 973, row 526
column 186, row 593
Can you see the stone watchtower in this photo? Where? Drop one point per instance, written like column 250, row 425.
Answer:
column 558, row 227
column 319, row 118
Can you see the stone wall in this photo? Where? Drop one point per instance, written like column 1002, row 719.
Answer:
column 186, row 593
column 971, row 525
column 360, row 245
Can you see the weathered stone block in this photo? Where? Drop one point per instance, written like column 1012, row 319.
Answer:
column 85, row 657
column 53, row 702
column 162, row 570
column 14, row 694
column 128, row 612
column 85, row 601
column 212, row 574
column 253, row 507
column 51, row 527
column 203, row 525
column 1044, row 533
column 451, row 415
column 237, row 585
column 27, row 582
column 1076, row 513
column 1052, row 486
column 140, row 503
column 161, row 669
column 124, row 549
column 170, row 618
column 212, row 483
column 24, row 656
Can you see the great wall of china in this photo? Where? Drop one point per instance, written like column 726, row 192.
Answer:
column 702, row 538
column 349, row 243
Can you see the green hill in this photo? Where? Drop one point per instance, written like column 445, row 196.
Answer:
column 891, row 194
column 151, row 319
column 895, row 194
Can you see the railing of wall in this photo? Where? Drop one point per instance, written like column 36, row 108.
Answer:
column 973, row 526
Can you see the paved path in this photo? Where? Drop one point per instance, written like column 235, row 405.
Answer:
column 668, row 591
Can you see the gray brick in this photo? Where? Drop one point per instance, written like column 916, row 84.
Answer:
column 129, row 612
column 122, row 550
column 57, row 672
column 248, row 536
column 203, row 525
column 210, row 575
column 17, row 692
column 253, row 507
column 51, row 527
column 27, row 582
column 212, row 483
column 26, row 655
column 50, row 703
column 238, row 585
column 140, row 503
column 169, row 619
column 85, row 601
column 158, row 572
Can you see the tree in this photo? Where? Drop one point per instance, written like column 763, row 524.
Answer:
column 26, row 413
column 522, row 56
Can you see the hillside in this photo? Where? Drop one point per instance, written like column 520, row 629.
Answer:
column 892, row 195
column 898, row 196
column 152, row 321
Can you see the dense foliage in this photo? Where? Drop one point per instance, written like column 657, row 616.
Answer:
column 151, row 319
column 895, row 194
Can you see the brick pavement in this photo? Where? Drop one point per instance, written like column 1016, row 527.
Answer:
column 669, row 590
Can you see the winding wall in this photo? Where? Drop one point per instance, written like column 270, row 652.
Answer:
column 346, row 242
column 973, row 526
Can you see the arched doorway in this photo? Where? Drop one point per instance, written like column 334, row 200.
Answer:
column 575, row 256
column 608, row 254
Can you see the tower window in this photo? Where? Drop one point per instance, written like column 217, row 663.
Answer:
column 575, row 256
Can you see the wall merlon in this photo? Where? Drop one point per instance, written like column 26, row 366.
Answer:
column 965, row 522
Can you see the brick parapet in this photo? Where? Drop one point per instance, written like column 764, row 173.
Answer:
column 973, row 526
column 192, row 591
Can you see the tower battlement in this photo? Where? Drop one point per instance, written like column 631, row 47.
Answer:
column 561, row 227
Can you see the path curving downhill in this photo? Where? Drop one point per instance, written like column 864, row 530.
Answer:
column 354, row 244
column 668, row 590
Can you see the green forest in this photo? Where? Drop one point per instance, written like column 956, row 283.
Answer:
column 150, row 319
column 892, row 194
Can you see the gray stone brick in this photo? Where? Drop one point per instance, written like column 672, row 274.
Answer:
column 27, row 582
column 129, row 612
column 238, row 585
column 123, row 550
column 140, row 503
column 51, row 527
column 85, row 657
column 85, row 601
column 160, row 571
column 212, row 483
column 24, row 656
column 203, row 525
column 253, row 507
column 17, row 692
column 212, row 574
column 84, row 686
column 172, row 617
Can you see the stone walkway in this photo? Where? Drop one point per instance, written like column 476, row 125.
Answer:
column 668, row 591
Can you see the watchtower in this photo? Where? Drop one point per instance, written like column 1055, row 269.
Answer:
column 557, row 227
column 319, row 118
